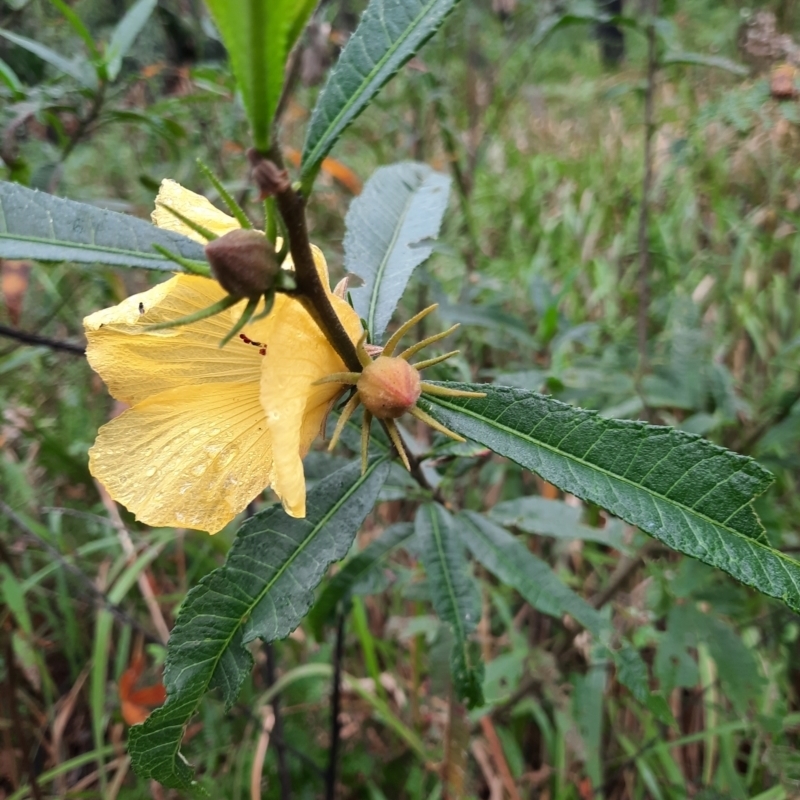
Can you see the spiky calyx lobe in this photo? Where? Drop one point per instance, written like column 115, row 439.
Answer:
column 244, row 262
column 389, row 387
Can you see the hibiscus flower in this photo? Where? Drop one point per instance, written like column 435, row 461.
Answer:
column 209, row 428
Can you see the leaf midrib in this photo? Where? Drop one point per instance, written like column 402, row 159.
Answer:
column 313, row 155
column 313, row 532
column 686, row 509
column 373, row 300
column 461, row 635
column 79, row 246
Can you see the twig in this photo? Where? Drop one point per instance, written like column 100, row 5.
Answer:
column 785, row 407
column 462, row 179
column 526, row 685
column 498, row 756
column 257, row 770
column 130, row 551
column 280, row 745
column 494, row 782
column 85, row 583
column 34, row 338
column 336, row 702
column 626, row 566
column 85, row 124
column 647, row 181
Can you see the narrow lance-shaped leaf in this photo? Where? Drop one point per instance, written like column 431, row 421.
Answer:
column 685, row 491
column 125, row 33
column 77, row 24
column 41, row 227
column 80, row 71
column 353, row 572
column 390, row 232
column 703, row 60
column 389, row 34
column 455, row 595
column 263, row 591
column 10, row 79
column 258, row 35
column 514, row 565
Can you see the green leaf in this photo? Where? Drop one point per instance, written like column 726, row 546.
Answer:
column 41, row 227
column 389, row 34
column 125, row 33
column 346, row 580
column 263, row 591
column 390, row 230
column 74, row 69
column 703, row 60
column 169, row 130
column 514, row 565
column 76, row 23
column 544, row 517
column 455, row 595
column 258, row 35
column 298, row 13
column 10, row 79
column 685, row 491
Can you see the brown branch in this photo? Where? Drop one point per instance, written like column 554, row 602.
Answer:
column 268, row 673
column 336, row 709
column 785, row 406
column 643, row 279
column 626, row 566
column 499, row 757
column 310, row 290
column 36, row 339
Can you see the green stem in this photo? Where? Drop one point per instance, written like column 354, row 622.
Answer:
column 271, row 217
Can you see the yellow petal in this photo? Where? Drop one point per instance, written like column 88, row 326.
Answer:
column 136, row 363
column 192, row 457
column 298, row 355
column 191, row 205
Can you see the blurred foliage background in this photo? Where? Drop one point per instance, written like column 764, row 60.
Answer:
column 685, row 315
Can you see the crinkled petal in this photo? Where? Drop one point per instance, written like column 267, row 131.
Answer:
column 191, row 205
column 192, row 457
column 136, row 363
column 298, row 355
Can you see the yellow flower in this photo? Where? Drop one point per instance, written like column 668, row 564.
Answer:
column 209, row 428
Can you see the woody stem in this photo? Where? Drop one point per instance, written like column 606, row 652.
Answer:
column 291, row 206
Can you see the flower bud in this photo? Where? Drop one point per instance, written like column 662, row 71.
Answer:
column 388, row 387
column 244, row 263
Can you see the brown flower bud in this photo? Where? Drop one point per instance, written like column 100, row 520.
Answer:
column 267, row 175
column 244, row 263
column 388, row 387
